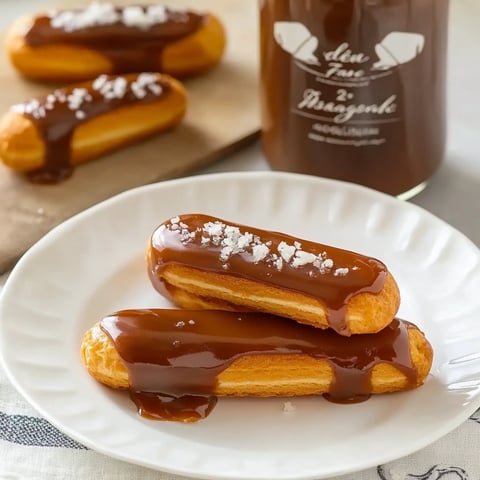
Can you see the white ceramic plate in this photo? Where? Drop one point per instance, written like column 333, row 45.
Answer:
column 93, row 264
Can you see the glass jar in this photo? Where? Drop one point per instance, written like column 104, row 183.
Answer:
column 355, row 89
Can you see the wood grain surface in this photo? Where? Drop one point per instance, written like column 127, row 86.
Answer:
column 222, row 116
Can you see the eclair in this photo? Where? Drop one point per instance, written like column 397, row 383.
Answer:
column 177, row 362
column 45, row 137
column 200, row 261
column 80, row 44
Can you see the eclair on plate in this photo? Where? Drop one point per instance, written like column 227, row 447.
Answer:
column 176, row 362
column 200, row 261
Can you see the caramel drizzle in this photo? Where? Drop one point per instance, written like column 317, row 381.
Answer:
column 328, row 274
column 57, row 115
column 128, row 48
column 174, row 357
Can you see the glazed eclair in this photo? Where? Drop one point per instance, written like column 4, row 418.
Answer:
column 80, row 44
column 45, row 137
column 177, row 362
column 200, row 261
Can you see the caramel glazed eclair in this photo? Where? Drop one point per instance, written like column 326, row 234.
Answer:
column 80, row 44
column 200, row 261
column 176, row 362
column 45, row 137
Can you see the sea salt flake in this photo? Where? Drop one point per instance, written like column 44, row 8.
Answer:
column 318, row 262
column 155, row 88
column 20, row 108
column 62, row 20
column 256, row 240
column 225, row 253
column 303, row 258
column 157, row 13
column 327, row 263
column 191, row 322
column 180, row 324
column 228, row 242
column 324, row 266
column 340, row 272
column 138, row 90
column 259, row 252
column 120, row 87
column 187, row 236
column 32, row 105
column 232, row 232
column 39, row 113
column 286, row 251
column 145, row 78
column 80, row 92
column 276, row 261
column 298, row 245
column 102, row 13
column 230, row 238
column 99, row 82
column 214, row 229
column 244, row 240
column 135, row 16
column 80, row 114
column 95, row 14
column 60, row 95
column 73, row 105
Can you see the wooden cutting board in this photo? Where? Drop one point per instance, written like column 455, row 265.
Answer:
column 222, row 116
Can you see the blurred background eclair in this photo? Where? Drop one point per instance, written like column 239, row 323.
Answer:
column 45, row 137
column 80, row 44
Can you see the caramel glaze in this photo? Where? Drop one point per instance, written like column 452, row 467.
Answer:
column 129, row 49
column 173, row 357
column 58, row 125
column 365, row 275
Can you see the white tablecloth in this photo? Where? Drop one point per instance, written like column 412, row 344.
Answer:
column 30, row 448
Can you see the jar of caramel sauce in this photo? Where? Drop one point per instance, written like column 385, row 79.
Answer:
column 355, row 89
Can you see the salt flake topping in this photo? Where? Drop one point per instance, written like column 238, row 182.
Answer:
column 232, row 241
column 98, row 14
column 109, row 89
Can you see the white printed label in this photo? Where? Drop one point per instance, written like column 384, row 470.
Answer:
column 341, row 117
